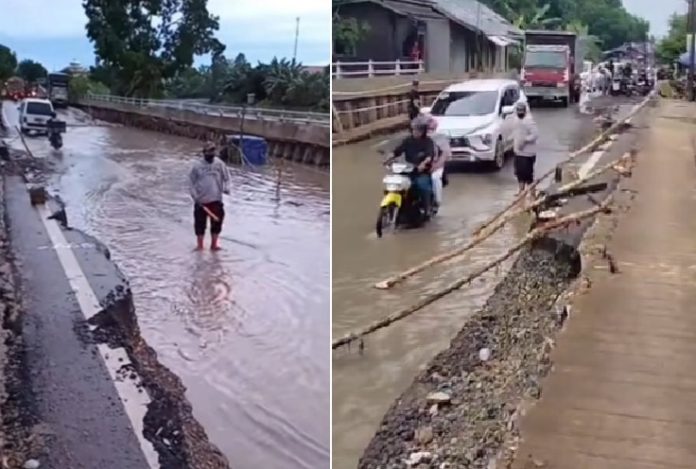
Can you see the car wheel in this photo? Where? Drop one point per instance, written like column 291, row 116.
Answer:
column 499, row 158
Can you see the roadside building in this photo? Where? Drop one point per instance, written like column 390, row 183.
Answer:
column 449, row 36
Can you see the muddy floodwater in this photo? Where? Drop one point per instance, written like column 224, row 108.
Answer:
column 246, row 328
column 365, row 385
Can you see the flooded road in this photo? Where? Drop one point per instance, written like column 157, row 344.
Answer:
column 246, row 328
column 365, row 385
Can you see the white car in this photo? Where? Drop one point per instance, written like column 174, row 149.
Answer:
column 476, row 117
column 33, row 115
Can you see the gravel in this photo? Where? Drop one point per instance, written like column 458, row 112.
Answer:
column 463, row 407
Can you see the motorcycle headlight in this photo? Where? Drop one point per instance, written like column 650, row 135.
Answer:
column 393, row 187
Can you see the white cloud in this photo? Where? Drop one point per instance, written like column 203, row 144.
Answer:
column 42, row 18
column 266, row 20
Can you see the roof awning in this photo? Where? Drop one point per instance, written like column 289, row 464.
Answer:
column 500, row 41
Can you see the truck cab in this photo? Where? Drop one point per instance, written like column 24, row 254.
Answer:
column 551, row 66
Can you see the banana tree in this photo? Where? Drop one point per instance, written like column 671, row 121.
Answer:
column 536, row 19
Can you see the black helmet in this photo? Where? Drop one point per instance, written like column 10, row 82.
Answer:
column 420, row 124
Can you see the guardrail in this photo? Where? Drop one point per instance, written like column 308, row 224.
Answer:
column 299, row 117
column 373, row 68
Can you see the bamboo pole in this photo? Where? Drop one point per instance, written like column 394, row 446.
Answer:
column 491, row 229
column 495, row 223
column 532, row 235
column 24, row 142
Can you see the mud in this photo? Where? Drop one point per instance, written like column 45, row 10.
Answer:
column 470, row 427
column 180, row 441
column 462, row 410
column 21, row 434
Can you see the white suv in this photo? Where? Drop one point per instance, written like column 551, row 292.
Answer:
column 476, row 117
column 33, row 115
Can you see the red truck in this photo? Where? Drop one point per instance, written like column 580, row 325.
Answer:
column 551, row 66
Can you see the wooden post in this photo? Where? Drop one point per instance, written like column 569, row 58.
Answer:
column 370, row 69
column 397, row 68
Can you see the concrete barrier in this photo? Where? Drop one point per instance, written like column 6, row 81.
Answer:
column 288, row 140
column 373, row 106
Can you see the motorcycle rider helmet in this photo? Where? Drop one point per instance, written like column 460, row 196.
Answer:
column 420, row 124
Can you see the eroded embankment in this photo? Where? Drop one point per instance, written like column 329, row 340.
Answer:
column 462, row 409
column 179, row 440
column 458, row 412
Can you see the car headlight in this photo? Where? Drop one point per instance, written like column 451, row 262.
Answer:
column 486, row 139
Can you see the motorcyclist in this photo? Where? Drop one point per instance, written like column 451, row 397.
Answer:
column 419, row 150
column 51, row 130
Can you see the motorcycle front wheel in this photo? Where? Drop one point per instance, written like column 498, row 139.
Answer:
column 386, row 220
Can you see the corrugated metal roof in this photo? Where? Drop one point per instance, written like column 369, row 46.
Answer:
column 421, row 9
column 477, row 16
column 418, row 9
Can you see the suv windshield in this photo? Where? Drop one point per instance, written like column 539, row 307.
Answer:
column 41, row 109
column 545, row 59
column 465, row 103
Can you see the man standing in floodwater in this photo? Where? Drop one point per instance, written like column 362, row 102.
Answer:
column 208, row 180
column 525, row 135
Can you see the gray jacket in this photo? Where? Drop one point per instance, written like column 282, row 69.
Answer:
column 208, row 181
column 525, row 135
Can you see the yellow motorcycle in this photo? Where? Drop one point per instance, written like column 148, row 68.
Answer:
column 401, row 205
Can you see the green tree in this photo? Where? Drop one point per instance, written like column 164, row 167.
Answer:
column 31, row 71
column 80, row 85
column 346, row 33
column 8, row 62
column 607, row 20
column 674, row 43
column 146, row 42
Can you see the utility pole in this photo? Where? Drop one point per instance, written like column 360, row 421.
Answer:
column 692, row 49
column 297, row 35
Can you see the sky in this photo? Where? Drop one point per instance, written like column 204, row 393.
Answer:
column 655, row 11
column 53, row 31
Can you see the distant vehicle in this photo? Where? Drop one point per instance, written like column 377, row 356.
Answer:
column 33, row 115
column 552, row 65
column 475, row 115
column 58, row 89
column 15, row 89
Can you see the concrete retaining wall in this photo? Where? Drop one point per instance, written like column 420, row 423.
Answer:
column 303, row 143
column 359, row 114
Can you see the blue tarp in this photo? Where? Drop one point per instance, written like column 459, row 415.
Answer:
column 255, row 148
column 685, row 59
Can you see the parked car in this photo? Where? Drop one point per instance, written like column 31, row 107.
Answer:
column 33, row 115
column 476, row 116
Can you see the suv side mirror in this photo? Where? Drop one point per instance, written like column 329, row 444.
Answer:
column 425, row 110
column 507, row 110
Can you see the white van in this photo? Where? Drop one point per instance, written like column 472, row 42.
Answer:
column 33, row 115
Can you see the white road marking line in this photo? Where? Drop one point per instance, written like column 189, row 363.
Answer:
column 590, row 163
column 134, row 402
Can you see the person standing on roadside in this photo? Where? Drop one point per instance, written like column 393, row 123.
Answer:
column 208, row 180
column 525, row 135
column 442, row 154
column 413, row 101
